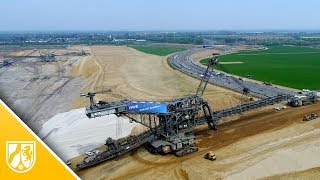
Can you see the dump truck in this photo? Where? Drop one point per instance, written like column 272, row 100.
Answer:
column 210, row 156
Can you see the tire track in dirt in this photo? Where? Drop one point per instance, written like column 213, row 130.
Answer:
column 98, row 75
column 181, row 174
column 96, row 81
column 54, row 92
column 251, row 155
column 39, row 103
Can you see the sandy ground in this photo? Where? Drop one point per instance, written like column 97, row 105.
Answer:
column 135, row 75
column 32, row 88
column 72, row 133
column 36, row 91
column 259, row 144
column 129, row 74
column 312, row 173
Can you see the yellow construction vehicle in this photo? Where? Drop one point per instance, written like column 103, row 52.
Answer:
column 210, row 156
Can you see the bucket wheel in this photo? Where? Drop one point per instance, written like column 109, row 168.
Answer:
column 208, row 114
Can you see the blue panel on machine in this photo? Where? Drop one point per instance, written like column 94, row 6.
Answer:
column 147, row 107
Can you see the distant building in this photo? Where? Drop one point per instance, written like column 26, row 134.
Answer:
column 118, row 40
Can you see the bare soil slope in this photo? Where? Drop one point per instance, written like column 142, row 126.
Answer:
column 135, row 75
column 37, row 90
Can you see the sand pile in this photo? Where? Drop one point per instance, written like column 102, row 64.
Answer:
column 72, row 133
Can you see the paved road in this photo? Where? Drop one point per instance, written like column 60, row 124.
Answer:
column 182, row 61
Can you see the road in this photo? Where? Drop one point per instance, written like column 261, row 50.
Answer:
column 184, row 63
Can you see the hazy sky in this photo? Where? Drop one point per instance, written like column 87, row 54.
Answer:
column 107, row 15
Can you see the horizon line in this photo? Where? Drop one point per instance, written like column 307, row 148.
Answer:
column 186, row 30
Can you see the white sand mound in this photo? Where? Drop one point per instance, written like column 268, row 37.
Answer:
column 72, row 133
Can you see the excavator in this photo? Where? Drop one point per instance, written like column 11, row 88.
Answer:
column 170, row 123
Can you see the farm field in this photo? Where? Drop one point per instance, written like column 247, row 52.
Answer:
column 158, row 50
column 295, row 67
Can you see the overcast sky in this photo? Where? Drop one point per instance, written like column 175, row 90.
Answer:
column 106, row 15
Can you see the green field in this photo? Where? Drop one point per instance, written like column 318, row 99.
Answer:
column 158, row 50
column 295, row 67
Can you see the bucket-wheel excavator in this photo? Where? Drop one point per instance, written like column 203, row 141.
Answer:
column 170, row 123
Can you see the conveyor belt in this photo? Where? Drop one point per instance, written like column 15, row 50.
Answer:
column 121, row 147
